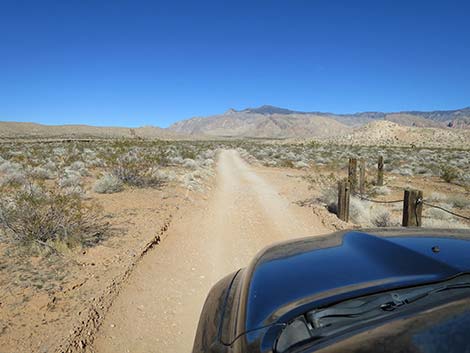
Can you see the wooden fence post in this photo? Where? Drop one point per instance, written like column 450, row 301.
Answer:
column 412, row 208
column 380, row 171
column 343, row 200
column 352, row 174
column 362, row 176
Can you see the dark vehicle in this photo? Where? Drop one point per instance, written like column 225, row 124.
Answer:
column 356, row 291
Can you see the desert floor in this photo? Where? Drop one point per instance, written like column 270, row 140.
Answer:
column 142, row 290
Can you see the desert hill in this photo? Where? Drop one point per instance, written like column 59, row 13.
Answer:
column 32, row 130
column 389, row 133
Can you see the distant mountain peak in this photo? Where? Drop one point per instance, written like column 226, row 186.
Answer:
column 268, row 109
column 230, row 111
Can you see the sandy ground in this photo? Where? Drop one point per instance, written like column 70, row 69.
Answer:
column 159, row 307
column 45, row 301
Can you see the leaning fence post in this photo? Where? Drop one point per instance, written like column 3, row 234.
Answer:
column 412, row 208
column 352, row 174
column 343, row 200
column 362, row 176
column 380, row 171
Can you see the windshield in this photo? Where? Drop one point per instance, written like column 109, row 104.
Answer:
column 335, row 319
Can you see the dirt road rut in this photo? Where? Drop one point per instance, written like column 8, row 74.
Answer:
column 159, row 307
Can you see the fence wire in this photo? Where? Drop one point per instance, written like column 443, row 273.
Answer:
column 446, row 210
column 424, row 203
column 376, row 201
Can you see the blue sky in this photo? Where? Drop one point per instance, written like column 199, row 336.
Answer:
column 134, row 63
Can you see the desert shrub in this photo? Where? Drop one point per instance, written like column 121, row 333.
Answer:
column 436, row 213
column 359, row 211
column 191, row 182
column 49, row 217
column 421, row 170
column 403, row 171
column 209, row 154
column 59, row 151
column 448, row 173
column 459, row 201
column 13, row 178
column 440, row 223
column 381, row 217
column 300, row 165
column 190, row 163
column 50, row 165
column 79, row 167
column 165, row 175
column 8, row 167
column 108, row 184
column 70, row 179
column 176, row 160
column 208, row 162
column 133, row 172
column 436, row 197
column 287, row 163
column 41, row 173
column 329, row 197
column 381, row 190
column 188, row 154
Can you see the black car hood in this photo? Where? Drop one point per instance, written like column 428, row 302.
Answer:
column 289, row 279
column 443, row 328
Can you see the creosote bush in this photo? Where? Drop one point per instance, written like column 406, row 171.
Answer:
column 132, row 171
column 34, row 215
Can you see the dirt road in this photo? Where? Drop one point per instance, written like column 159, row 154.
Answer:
column 159, row 307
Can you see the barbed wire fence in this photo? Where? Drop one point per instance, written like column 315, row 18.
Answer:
column 413, row 200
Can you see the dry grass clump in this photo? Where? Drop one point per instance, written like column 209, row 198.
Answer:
column 50, row 218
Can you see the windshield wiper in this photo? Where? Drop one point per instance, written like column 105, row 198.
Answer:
column 320, row 323
column 388, row 302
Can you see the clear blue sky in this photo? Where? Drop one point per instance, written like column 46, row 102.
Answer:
column 132, row 63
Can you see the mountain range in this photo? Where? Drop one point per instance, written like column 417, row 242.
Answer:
column 263, row 122
column 274, row 122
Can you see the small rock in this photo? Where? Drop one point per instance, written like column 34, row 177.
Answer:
column 112, row 325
